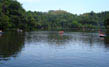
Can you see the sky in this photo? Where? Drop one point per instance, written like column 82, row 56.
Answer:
column 72, row 6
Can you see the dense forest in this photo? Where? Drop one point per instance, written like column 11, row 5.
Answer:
column 13, row 16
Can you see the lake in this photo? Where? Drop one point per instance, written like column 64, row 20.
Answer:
column 51, row 49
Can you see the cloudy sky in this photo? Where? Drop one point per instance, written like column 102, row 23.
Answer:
column 73, row 6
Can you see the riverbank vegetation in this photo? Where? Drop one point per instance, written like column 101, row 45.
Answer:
column 13, row 16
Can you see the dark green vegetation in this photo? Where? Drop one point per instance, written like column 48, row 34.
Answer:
column 13, row 16
column 10, row 44
column 107, row 26
column 107, row 31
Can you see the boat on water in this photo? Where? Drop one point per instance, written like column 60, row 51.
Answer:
column 1, row 31
column 102, row 35
column 61, row 32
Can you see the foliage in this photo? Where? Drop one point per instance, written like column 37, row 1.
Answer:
column 13, row 16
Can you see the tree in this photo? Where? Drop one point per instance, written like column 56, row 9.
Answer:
column 4, row 22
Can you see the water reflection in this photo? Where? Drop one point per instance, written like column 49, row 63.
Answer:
column 56, row 39
column 11, row 44
column 50, row 49
column 107, row 33
column 68, row 38
column 0, row 35
column 107, row 42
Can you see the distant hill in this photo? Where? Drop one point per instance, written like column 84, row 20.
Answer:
column 14, row 16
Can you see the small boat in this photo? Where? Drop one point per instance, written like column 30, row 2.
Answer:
column 102, row 35
column 61, row 32
column 1, row 32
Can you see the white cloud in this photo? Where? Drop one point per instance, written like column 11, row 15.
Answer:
column 28, row 1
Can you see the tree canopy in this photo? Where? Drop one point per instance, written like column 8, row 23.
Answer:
column 14, row 16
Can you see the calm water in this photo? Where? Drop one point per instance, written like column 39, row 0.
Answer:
column 50, row 49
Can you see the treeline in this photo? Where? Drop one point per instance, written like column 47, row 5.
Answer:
column 107, row 27
column 14, row 16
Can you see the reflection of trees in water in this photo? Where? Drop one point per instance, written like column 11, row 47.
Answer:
column 10, row 45
column 107, row 33
column 71, row 38
column 76, row 38
column 35, row 37
column 86, row 39
column 58, row 39
column 48, row 37
column 93, row 40
column 107, row 42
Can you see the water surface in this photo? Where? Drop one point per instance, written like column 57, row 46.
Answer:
column 51, row 49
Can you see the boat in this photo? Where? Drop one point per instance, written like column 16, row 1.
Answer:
column 61, row 32
column 1, row 32
column 102, row 35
